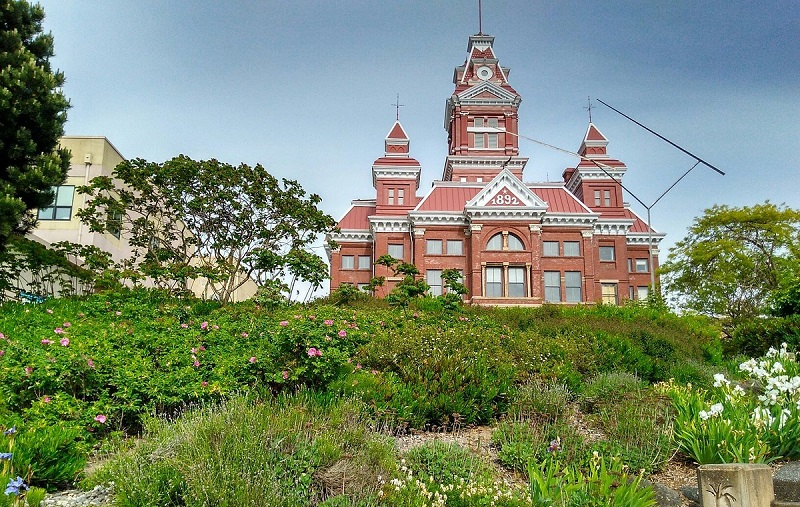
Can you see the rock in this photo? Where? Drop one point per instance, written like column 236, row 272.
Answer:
column 665, row 497
column 691, row 493
column 100, row 496
column 786, row 482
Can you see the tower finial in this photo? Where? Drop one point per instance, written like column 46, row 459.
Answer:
column 397, row 105
column 480, row 19
column 589, row 108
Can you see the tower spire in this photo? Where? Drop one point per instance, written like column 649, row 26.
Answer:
column 480, row 19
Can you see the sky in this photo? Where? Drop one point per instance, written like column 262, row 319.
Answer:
column 306, row 88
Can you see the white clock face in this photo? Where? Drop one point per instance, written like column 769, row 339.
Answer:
column 484, row 73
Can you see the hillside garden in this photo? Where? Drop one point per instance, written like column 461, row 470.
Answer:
column 187, row 402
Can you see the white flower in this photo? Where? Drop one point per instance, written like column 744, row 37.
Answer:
column 705, row 415
column 777, row 368
column 716, row 409
column 720, row 380
column 738, row 391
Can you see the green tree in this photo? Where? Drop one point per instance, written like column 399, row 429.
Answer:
column 734, row 259
column 409, row 287
column 187, row 219
column 33, row 111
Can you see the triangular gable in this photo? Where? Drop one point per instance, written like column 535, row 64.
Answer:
column 506, row 187
column 478, row 91
column 397, row 132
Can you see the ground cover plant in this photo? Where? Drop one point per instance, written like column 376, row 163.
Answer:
column 100, row 368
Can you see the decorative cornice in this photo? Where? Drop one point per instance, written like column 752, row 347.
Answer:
column 611, row 227
column 351, row 236
column 395, row 172
column 570, row 219
column 425, row 218
column 481, row 163
column 389, row 224
column 503, row 213
column 594, row 173
column 642, row 238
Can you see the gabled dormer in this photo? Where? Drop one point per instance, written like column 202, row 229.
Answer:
column 481, row 117
column 597, row 177
column 395, row 175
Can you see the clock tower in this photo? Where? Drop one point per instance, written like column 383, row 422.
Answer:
column 481, row 118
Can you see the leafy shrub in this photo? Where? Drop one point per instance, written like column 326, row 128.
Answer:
column 756, row 336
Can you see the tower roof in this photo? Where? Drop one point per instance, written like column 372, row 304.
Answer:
column 397, row 142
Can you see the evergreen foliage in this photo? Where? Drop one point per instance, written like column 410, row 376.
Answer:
column 33, row 111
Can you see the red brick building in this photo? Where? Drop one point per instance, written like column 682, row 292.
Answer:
column 516, row 243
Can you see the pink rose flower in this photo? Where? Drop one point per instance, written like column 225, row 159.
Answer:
column 285, row 374
column 100, row 418
column 342, row 333
column 28, row 371
column 46, row 341
column 205, row 383
column 49, row 311
column 312, row 317
column 253, row 359
column 66, row 324
column 328, row 322
column 58, row 330
column 2, row 336
column 215, row 327
column 184, row 325
column 118, row 313
column 2, row 353
column 284, row 323
column 196, row 363
column 90, row 363
column 244, row 335
column 204, row 325
column 46, row 399
column 64, row 342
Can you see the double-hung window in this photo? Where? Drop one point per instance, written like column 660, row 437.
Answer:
column 433, row 246
column 347, row 261
column 433, row 277
column 396, row 250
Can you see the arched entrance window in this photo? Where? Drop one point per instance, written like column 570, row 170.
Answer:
column 507, row 241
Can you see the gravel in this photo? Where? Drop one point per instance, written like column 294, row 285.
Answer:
column 100, row 496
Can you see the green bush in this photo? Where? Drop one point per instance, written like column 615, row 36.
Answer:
column 754, row 337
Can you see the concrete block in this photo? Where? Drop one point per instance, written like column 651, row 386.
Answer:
column 735, row 484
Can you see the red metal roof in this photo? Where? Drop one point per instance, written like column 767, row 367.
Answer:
column 450, row 199
column 397, row 132
column 602, row 161
column 639, row 225
column 357, row 218
column 559, row 200
column 396, row 161
column 594, row 135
